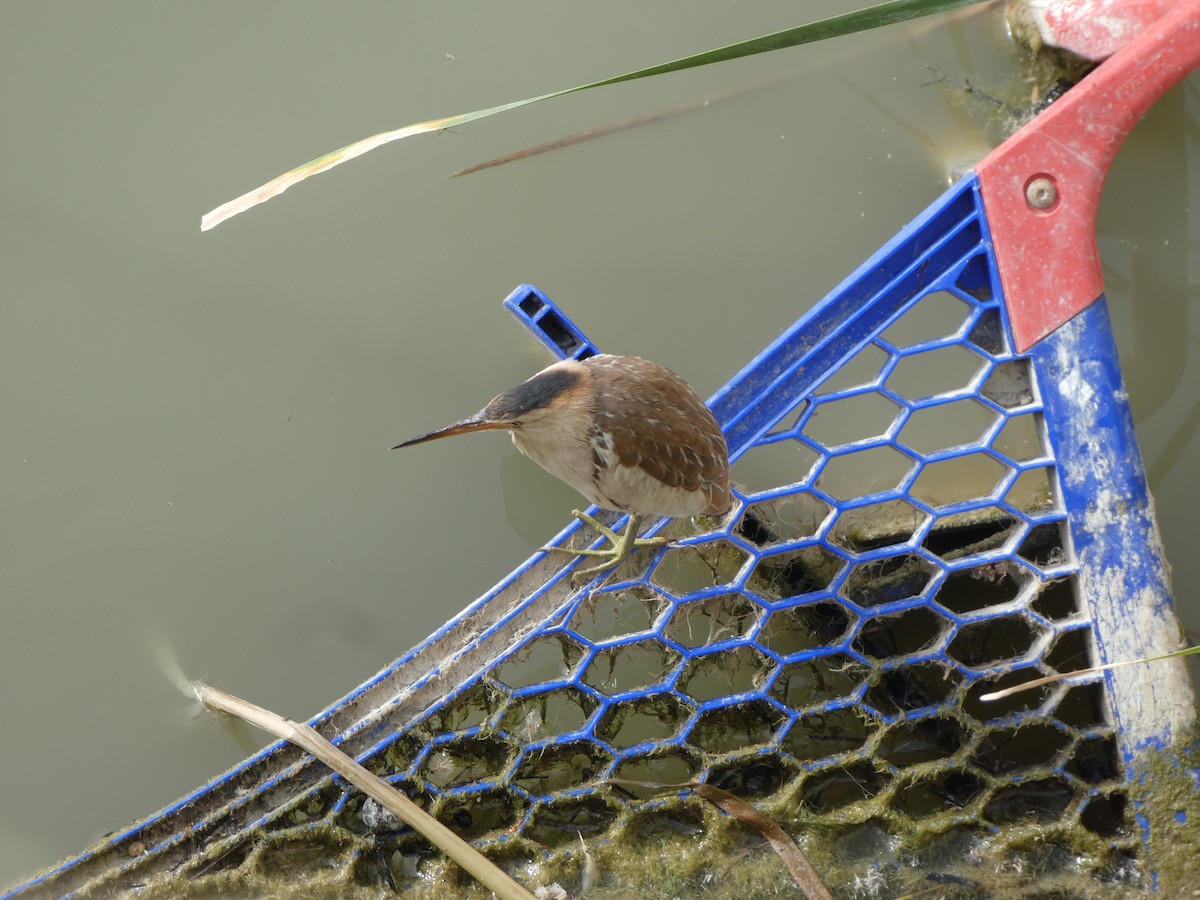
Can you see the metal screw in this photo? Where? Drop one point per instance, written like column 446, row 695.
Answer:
column 1041, row 193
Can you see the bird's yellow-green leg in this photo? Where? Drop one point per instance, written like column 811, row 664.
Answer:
column 622, row 547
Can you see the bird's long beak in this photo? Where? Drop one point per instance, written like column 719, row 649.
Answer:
column 475, row 423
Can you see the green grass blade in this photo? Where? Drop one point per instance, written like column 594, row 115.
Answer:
column 281, row 183
column 892, row 12
column 888, row 13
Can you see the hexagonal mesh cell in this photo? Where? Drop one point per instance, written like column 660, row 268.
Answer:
column 823, row 651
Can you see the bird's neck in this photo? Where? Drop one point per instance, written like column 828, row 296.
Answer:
column 560, row 444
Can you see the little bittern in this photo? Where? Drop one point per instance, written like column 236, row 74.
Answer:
column 626, row 433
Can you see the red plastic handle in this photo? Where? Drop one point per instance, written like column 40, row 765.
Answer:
column 1041, row 187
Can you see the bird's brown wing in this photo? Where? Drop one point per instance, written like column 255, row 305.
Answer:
column 657, row 423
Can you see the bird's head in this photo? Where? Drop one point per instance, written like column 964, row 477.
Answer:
column 530, row 404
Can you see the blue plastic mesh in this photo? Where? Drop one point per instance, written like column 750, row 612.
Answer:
column 903, row 541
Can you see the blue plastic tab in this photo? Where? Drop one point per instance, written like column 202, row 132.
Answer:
column 548, row 323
